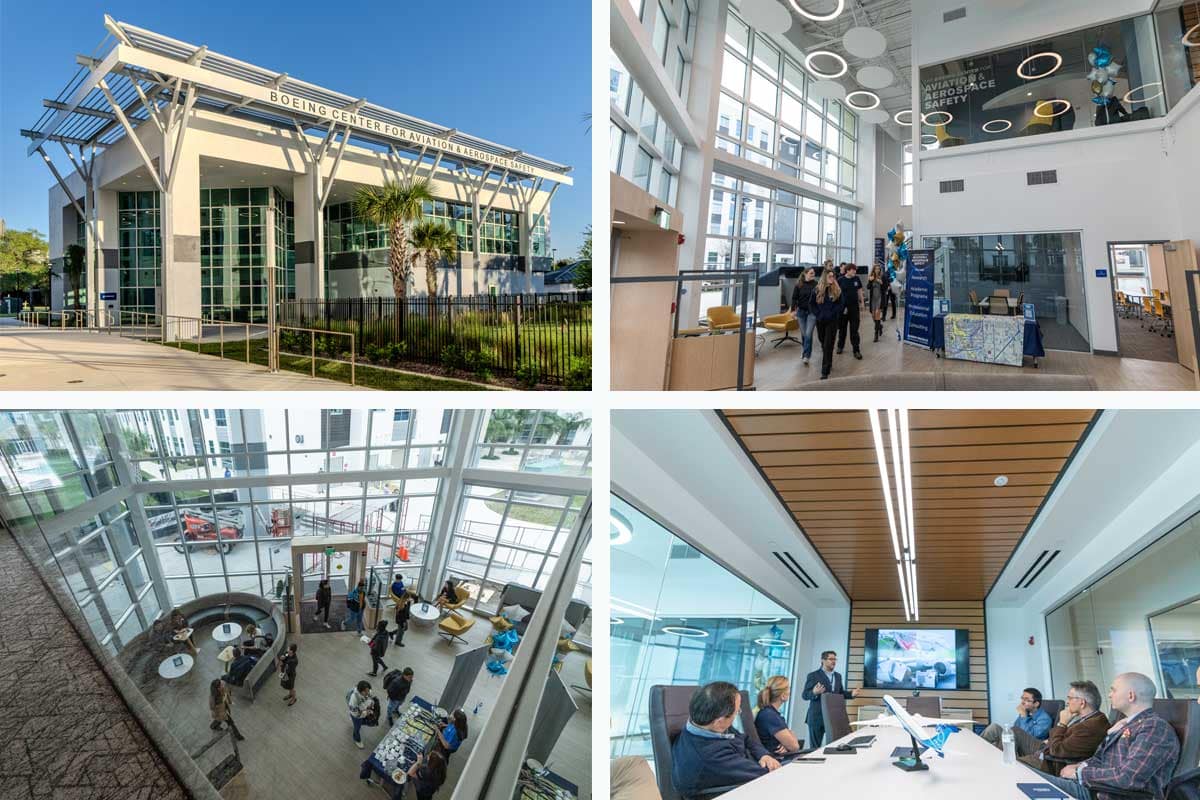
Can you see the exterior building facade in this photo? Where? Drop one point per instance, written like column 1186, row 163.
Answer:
column 199, row 184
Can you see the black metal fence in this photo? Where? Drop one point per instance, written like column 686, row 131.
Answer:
column 533, row 338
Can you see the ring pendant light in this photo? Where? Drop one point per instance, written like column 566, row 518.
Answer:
column 897, row 119
column 864, row 93
column 1047, row 54
column 1144, row 99
column 808, row 59
column 1187, row 39
column 773, row 642
column 684, row 631
column 1041, row 103
column 925, row 117
column 841, row 6
column 1007, row 124
column 932, row 137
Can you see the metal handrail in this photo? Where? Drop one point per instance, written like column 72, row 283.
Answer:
column 199, row 323
column 313, row 348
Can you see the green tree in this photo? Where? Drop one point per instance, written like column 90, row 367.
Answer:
column 23, row 257
column 583, row 273
column 73, row 267
column 432, row 242
column 504, row 427
column 396, row 205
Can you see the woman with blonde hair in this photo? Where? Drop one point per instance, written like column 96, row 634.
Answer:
column 827, row 305
column 771, row 726
column 876, row 296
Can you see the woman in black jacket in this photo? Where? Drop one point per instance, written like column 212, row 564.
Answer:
column 448, row 595
column 827, row 306
column 802, row 297
column 403, row 612
column 378, row 647
column 427, row 775
column 324, row 598
column 287, row 673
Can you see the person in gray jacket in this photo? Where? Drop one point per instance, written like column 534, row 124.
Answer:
column 876, row 298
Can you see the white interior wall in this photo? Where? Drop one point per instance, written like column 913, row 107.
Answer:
column 889, row 180
column 867, row 193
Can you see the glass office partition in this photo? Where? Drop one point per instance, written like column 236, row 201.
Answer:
column 680, row 618
column 1044, row 269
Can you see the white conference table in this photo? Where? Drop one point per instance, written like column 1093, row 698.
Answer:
column 975, row 770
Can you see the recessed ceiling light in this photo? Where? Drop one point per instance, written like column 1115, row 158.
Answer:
column 684, row 631
column 619, row 530
column 843, row 66
column 1029, row 94
column 1001, row 480
column 258, row 134
column 1058, row 64
column 841, row 6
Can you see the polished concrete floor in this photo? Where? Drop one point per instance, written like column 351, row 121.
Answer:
column 41, row 360
column 782, row 367
column 306, row 750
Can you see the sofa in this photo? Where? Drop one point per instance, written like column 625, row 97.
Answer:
column 515, row 594
column 243, row 607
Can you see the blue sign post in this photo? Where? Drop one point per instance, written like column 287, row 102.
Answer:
column 918, row 297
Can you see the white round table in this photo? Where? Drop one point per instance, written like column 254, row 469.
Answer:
column 169, row 669
column 221, row 635
column 427, row 617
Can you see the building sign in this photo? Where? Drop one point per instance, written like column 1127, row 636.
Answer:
column 918, row 298
column 108, row 295
column 355, row 120
column 946, row 90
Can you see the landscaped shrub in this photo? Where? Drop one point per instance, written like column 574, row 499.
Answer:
column 529, row 373
column 579, row 374
column 452, row 357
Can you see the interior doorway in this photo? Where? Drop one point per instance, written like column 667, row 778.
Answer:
column 1142, row 304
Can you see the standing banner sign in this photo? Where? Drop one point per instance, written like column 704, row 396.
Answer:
column 879, row 253
column 918, row 298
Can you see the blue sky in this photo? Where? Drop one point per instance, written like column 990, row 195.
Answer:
column 515, row 73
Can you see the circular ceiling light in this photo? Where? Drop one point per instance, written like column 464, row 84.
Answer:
column 773, row 642
column 1057, row 65
column 808, row 59
column 1003, row 122
column 870, row 95
column 933, row 139
column 862, row 42
column 684, row 631
column 841, row 6
column 827, row 90
column 899, row 121
column 1127, row 99
column 767, row 16
column 763, row 619
column 874, row 77
column 925, row 118
column 1037, row 113
column 875, row 116
column 1187, row 39
column 1001, row 480
column 619, row 530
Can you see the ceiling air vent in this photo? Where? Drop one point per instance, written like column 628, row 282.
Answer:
column 1036, row 569
column 1039, row 178
column 946, row 187
column 793, row 566
column 957, row 13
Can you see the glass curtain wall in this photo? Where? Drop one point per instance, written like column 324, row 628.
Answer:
column 1142, row 617
column 233, row 253
column 643, row 148
column 1045, row 269
column 139, row 251
column 679, row 618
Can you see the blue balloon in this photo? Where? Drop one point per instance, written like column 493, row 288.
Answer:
column 891, row 234
column 1103, row 55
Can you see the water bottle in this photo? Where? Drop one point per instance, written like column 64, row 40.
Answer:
column 478, row 706
column 1010, row 745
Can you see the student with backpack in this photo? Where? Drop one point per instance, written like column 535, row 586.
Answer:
column 378, row 647
column 354, row 603
column 397, row 685
column 358, row 700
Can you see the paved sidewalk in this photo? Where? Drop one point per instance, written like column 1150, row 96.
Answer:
column 56, row 361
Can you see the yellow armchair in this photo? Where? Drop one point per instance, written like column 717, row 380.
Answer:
column 464, row 594
column 722, row 318
column 784, row 323
column 454, row 626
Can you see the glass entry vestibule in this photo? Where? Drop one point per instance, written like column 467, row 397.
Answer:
column 1042, row 269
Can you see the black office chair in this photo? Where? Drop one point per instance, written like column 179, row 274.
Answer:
column 928, row 707
column 1053, row 708
column 668, row 715
column 833, row 711
column 1185, row 786
column 1184, row 718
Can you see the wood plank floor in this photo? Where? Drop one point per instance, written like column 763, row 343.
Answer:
column 306, row 750
column 782, row 368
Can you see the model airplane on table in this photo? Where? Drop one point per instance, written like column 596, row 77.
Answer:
column 914, row 725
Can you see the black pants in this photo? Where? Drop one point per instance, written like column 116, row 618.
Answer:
column 890, row 297
column 827, row 334
column 816, row 732
column 850, row 320
column 324, row 609
column 400, row 629
column 376, row 663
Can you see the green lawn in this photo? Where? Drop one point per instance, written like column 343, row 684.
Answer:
column 536, row 516
column 333, row 370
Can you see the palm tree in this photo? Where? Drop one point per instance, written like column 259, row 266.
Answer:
column 432, row 242
column 395, row 205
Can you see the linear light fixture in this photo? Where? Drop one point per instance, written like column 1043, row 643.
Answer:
column 883, row 477
column 903, row 591
column 904, row 567
column 898, row 475
column 906, row 457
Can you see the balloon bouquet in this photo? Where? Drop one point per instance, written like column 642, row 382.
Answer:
column 896, row 257
column 1104, row 82
column 503, row 644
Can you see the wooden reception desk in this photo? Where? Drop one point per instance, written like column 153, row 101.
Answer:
column 701, row 363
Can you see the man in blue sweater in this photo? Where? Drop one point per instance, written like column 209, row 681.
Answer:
column 709, row 752
column 1031, row 728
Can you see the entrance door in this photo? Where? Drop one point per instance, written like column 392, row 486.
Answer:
column 1181, row 259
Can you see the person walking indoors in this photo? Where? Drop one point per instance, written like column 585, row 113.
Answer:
column 852, row 298
column 876, row 298
column 403, row 613
column 397, row 686
column 827, row 307
column 889, row 295
column 802, row 299
column 287, row 673
column 359, row 703
column 772, row 728
column 378, row 647
column 354, row 600
column 220, row 701
column 324, row 599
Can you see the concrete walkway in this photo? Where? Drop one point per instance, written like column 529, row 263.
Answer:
column 41, row 360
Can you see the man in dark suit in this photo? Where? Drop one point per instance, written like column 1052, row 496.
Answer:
column 1138, row 754
column 816, row 684
column 709, row 752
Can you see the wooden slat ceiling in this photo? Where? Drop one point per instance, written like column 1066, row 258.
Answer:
column 824, row 468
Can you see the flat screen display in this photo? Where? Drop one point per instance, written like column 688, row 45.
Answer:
column 916, row 658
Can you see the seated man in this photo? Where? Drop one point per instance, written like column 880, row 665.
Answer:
column 1081, row 728
column 398, row 585
column 1138, row 753
column 709, row 753
column 1030, row 728
column 240, row 667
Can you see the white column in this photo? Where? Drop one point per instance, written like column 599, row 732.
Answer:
column 108, row 224
column 308, row 234
column 180, row 210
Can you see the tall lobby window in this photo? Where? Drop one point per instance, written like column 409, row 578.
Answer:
column 233, row 253
column 906, row 178
column 1042, row 269
column 549, row 442
column 616, row 142
column 1141, row 617
column 643, row 147
column 139, row 252
column 680, row 618
column 1103, row 75
column 662, row 32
